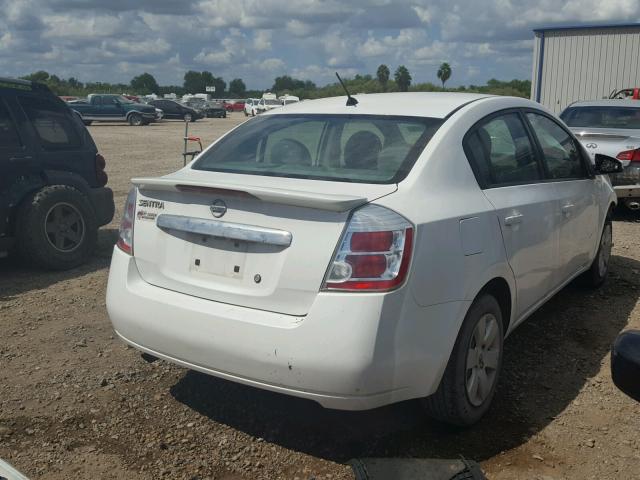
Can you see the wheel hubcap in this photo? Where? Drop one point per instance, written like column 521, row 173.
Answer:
column 64, row 227
column 483, row 357
column 605, row 250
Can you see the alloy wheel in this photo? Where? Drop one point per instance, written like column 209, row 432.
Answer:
column 604, row 254
column 64, row 227
column 483, row 356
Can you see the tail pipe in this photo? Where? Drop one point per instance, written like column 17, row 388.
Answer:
column 632, row 204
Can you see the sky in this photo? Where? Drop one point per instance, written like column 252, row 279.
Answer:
column 258, row 40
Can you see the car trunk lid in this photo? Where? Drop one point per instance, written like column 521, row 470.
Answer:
column 245, row 240
column 607, row 142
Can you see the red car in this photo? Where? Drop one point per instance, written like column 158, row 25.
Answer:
column 234, row 106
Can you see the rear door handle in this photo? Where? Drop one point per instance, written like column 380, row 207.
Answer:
column 566, row 209
column 513, row 219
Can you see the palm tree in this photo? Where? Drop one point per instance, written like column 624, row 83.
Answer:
column 383, row 75
column 403, row 78
column 444, row 73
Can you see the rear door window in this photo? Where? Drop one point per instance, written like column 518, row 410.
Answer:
column 53, row 123
column 9, row 138
column 560, row 152
column 502, row 153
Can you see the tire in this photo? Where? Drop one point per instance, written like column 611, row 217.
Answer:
column 87, row 122
column 187, row 117
column 135, row 120
column 460, row 400
column 599, row 269
column 56, row 228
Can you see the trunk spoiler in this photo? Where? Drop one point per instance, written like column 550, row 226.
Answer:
column 318, row 200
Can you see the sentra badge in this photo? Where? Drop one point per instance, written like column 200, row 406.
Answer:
column 151, row 204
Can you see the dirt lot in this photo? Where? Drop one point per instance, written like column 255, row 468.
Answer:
column 75, row 403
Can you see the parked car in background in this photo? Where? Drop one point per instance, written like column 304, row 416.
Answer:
column 112, row 108
column 611, row 128
column 269, row 101
column 53, row 193
column 207, row 108
column 68, row 98
column 234, row 105
column 626, row 94
column 251, row 107
column 363, row 256
column 174, row 110
column 288, row 99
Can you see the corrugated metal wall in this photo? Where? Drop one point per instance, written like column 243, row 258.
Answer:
column 584, row 64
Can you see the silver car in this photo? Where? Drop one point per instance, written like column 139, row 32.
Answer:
column 611, row 128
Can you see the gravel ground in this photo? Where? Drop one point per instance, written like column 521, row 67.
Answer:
column 78, row 404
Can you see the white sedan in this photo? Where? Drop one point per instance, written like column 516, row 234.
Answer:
column 366, row 254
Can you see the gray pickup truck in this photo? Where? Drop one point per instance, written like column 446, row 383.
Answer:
column 113, row 108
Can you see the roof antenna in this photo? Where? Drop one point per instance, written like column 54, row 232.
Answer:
column 351, row 101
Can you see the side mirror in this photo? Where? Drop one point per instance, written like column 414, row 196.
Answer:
column 605, row 164
column 625, row 363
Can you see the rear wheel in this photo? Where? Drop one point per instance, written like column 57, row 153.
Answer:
column 135, row 120
column 56, row 228
column 597, row 273
column 469, row 381
column 187, row 117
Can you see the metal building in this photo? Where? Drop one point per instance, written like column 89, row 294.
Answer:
column 584, row 63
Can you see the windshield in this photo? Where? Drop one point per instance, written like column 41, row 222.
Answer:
column 603, row 117
column 272, row 102
column 345, row 148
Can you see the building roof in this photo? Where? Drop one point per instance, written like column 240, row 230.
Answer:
column 428, row 104
column 586, row 27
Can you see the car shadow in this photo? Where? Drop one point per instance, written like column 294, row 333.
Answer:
column 547, row 362
column 16, row 277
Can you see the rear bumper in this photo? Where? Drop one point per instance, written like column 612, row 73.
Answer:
column 627, row 191
column 102, row 201
column 351, row 351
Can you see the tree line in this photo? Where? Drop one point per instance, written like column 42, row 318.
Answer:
column 196, row 82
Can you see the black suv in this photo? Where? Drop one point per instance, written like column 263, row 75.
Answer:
column 53, row 196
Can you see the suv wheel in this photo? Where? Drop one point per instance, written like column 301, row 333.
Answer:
column 56, row 228
column 469, row 381
column 135, row 120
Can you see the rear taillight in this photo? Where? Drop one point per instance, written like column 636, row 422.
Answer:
column 632, row 155
column 125, row 235
column 101, row 175
column 374, row 252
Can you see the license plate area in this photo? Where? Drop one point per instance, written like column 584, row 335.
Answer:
column 218, row 256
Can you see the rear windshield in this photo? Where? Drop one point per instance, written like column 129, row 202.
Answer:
column 603, row 117
column 345, row 148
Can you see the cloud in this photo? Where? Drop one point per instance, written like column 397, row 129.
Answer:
column 97, row 40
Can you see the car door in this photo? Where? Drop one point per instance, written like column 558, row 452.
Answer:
column 16, row 158
column 510, row 173
column 567, row 168
column 112, row 108
column 170, row 109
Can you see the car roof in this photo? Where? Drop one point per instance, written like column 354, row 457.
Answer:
column 423, row 104
column 609, row 102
